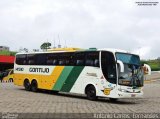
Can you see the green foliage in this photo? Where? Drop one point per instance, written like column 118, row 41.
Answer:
column 45, row 45
column 154, row 64
column 4, row 52
column 13, row 53
column 144, row 62
column 9, row 53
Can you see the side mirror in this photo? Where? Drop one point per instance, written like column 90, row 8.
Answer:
column 147, row 69
column 121, row 65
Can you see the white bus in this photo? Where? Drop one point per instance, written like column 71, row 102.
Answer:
column 95, row 72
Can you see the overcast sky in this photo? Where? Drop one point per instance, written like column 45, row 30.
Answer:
column 118, row 24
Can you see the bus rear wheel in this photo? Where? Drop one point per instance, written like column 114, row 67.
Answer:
column 91, row 92
column 27, row 85
column 34, row 86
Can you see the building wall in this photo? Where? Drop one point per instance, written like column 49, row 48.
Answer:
column 6, row 62
column 4, row 48
column 6, row 59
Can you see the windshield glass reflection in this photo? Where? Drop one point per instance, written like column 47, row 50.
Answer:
column 133, row 73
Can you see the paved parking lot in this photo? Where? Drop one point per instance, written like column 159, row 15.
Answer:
column 15, row 99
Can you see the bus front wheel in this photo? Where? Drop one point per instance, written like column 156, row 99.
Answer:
column 91, row 92
column 34, row 86
column 27, row 85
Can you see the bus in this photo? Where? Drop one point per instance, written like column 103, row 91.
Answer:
column 94, row 72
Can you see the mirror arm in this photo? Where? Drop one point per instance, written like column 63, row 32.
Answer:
column 121, row 65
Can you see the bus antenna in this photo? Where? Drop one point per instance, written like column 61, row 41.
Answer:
column 65, row 46
column 59, row 45
column 54, row 43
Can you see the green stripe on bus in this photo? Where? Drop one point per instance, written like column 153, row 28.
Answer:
column 73, row 76
column 64, row 75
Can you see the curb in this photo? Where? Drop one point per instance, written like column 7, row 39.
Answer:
column 2, row 81
column 150, row 80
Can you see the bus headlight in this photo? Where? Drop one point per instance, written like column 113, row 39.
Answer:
column 122, row 90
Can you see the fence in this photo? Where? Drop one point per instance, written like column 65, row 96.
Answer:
column 6, row 81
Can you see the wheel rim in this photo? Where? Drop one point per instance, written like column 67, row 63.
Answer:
column 34, row 86
column 91, row 93
column 27, row 85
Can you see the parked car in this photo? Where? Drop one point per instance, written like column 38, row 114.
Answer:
column 8, row 75
column 1, row 76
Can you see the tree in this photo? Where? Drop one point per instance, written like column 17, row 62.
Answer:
column 23, row 49
column 158, row 59
column 45, row 45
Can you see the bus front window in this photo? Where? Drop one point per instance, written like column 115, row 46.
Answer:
column 133, row 74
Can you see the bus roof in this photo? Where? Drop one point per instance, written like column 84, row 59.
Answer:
column 113, row 50
column 64, row 49
column 56, row 50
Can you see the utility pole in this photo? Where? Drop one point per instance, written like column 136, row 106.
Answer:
column 54, row 43
column 59, row 45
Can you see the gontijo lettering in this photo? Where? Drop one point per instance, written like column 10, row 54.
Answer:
column 41, row 70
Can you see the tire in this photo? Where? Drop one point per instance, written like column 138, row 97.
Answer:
column 91, row 92
column 34, row 86
column 113, row 99
column 27, row 85
column 10, row 80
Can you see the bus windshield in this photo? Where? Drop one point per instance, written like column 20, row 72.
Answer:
column 128, row 58
column 133, row 73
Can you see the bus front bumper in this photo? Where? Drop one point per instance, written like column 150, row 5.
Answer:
column 129, row 95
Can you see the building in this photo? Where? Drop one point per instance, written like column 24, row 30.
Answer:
column 4, row 48
column 6, row 62
column 6, row 58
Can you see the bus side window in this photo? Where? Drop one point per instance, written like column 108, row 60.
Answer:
column 49, row 62
column 79, row 59
column 70, row 60
column 65, row 59
column 61, row 59
column 24, row 62
column 96, row 63
column 55, row 62
column 51, row 59
column 92, row 59
column 89, row 63
column 21, row 59
column 31, row 62
column 30, row 59
column 80, row 62
column 61, row 62
column 40, row 59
